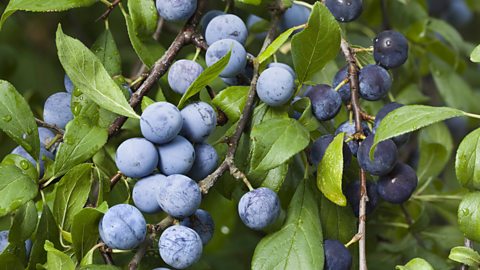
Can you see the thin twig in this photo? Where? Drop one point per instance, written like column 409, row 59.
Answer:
column 47, row 125
column 354, row 87
column 109, row 10
column 161, row 66
column 106, row 255
column 114, row 180
column 222, row 118
column 137, row 258
column 469, row 244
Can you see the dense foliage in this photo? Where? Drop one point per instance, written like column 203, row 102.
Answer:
column 237, row 134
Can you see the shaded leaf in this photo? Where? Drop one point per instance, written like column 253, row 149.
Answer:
column 106, row 50
column 275, row 45
column 16, row 189
column 469, row 216
column 231, row 101
column 21, row 163
column 337, row 222
column 85, row 230
column 24, row 223
column 57, row 259
column 467, row 161
column 10, row 262
column 144, row 16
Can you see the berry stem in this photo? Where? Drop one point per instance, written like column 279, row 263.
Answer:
column 341, row 84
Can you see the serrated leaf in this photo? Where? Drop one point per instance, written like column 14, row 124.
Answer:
column 299, row 243
column 85, row 230
column 147, row 49
column 275, row 141
column 47, row 230
column 475, row 56
column 276, row 44
column 106, row 50
column 88, row 74
column 410, row 118
column 467, row 161
column 469, row 216
column 72, row 194
column 330, row 172
column 16, row 189
column 435, row 148
column 17, row 120
column 465, row 255
column 206, row 77
column 80, row 142
column 317, row 44
column 231, row 101
column 24, row 223
column 415, row 264
column 42, row 6
column 57, row 259
column 144, row 16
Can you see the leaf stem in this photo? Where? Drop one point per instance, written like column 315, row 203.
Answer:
column 472, row 115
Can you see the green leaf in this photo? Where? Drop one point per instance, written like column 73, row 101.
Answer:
column 317, row 44
column 10, row 262
column 99, row 267
column 47, row 230
column 88, row 74
column 144, row 16
column 275, row 141
column 57, row 259
column 448, row 32
column 330, row 172
column 231, row 101
column 455, row 91
column 21, row 163
column 42, row 6
column 467, row 161
column 275, row 45
column 147, row 49
column 17, row 121
column 85, row 230
column 208, row 75
column 299, row 243
column 24, row 223
column 106, row 50
column 307, row 119
column 72, row 194
column 337, row 222
column 80, row 142
column 435, row 147
column 475, row 56
column 415, row 264
column 469, row 216
column 465, row 255
column 146, row 101
column 410, row 118
column 16, row 189
column 275, row 177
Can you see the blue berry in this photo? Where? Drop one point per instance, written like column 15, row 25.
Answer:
column 345, row 10
column 69, row 87
column 57, row 109
column 352, row 192
column 161, row 122
column 205, row 161
column 145, row 193
column 199, row 121
column 284, row 66
column 458, row 13
column 275, row 86
column 182, row 74
column 385, row 156
column 136, row 157
column 45, row 135
column 294, row 16
column 398, row 185
column 202, row 223
column 399, row 140
column 344, row 91
column 259, row 208
column 226, row 26
column 337, row 256
column 390, row 49
column 180, row 246
column 374, row 82
column 179, row 196
column 349, row 129
column 238, row 58
column 326, row 103
column 123, row 227
column 176, row 157
column 317, row 151
column 176, row 10
column 208, row 17
column 252, row 20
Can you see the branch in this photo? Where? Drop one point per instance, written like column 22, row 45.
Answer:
column 357, row 112
column 47, row 125
column 162, row 65
column 133, row 265
column 468, row 243
column 106, row 255
column 109, row 10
